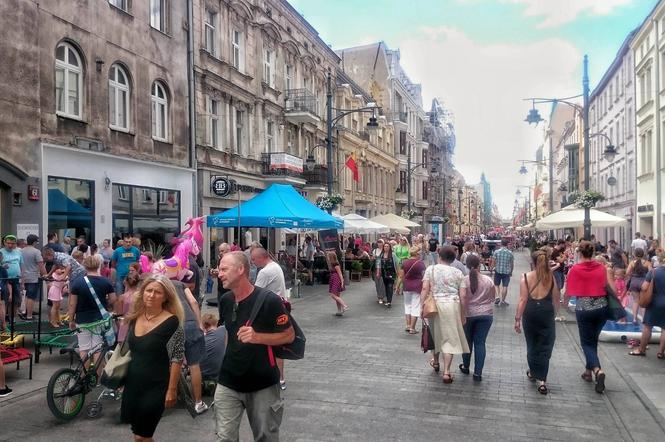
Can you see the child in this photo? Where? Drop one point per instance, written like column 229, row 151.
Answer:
column 336, row 283
column 620, row 286
column 55, row 290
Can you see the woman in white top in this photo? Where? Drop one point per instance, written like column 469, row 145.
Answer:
column 445, row 283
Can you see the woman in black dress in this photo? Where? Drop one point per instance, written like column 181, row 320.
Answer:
column 156, row 342
column 538, row 305
column 387, row 271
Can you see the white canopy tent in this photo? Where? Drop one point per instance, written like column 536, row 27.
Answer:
column 395, row 223
column 573, row 216
column 354, row 223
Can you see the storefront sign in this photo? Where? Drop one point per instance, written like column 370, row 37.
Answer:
column 645, row 208
column 220, row 186
column 286, row 161
column 23, row 230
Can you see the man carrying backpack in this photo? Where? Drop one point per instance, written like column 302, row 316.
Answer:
column 249, row 377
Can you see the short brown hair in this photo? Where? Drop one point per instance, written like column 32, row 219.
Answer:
column 209, row 320
column 587, row 249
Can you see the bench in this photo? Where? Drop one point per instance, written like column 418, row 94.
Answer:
column 11, row 355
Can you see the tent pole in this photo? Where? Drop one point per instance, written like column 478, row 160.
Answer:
column 238, row 234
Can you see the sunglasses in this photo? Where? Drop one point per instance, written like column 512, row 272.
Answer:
column 234, row 313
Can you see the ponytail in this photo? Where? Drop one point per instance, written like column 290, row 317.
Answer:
column 542, row 266
column 473, row 263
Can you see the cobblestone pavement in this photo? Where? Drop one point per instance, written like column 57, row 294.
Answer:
column 364, row 378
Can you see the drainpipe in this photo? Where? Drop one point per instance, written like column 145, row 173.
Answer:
column 191, row 91
column 658, row 210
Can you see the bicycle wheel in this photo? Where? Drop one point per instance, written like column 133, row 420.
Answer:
column 185, row 395
column 64, row 396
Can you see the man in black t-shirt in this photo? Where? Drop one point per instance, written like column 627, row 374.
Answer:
column 249, row 377
column 433, row 244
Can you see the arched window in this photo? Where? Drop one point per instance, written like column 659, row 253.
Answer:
column 160, row 112
column 118, row 98
column 68, row 81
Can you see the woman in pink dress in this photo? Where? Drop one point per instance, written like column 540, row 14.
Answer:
column 56, row 287
column 336, row 283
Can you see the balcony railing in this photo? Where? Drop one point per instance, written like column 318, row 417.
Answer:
column 316, row 177
column 300, row 106
column 282, row 164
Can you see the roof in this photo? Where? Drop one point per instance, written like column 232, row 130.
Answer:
column 343, row 78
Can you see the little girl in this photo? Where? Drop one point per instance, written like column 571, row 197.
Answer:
column 56, row 287
column 620, row 285
column 336, row 283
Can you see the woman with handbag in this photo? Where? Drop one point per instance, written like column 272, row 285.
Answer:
column 538, row 305
column 387, row 267
column 156, row 342
column 652, row 297
column 444, row 283
column 588, row 281
column 411, row 279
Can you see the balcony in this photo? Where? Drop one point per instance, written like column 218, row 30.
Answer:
column 300, row 107
column 318, row 177
column 400, row 116
column 281, row 167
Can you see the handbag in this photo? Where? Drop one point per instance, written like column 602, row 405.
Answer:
column 615, row 310
column 109, row 333
column 426, row 340
column 115, row 371
column 429, row 309
column 646, row 296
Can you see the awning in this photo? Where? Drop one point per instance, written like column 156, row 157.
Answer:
column 395, row 223
column 354, row 223
column 572, row 216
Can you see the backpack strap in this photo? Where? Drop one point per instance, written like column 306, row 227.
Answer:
column 263, row 294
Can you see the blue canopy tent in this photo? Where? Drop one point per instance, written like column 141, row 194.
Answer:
column 279, row 206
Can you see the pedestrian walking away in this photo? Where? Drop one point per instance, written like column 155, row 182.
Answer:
column 387, row 266
column 636, row 274
column 410, row 278
column 479, row 295
column 503, row 262
column 538, row 305
column 336, row 282
column 587, row 281
column 433, row 246
column 249, row 377
column 654, row 316
column 378, row 280
column 444, row 283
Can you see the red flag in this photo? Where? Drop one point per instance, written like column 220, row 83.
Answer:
column 351, row 164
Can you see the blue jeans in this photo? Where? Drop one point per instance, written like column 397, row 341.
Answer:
column 476, row 330
column 590, row 323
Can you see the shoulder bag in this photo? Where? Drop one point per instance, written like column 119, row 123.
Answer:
column 615, row 310
column 109, row 333
column 115, row 371
column 429, row 309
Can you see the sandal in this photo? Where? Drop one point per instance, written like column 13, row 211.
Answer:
column 413, row 331
column 463, row 369
column 435, row 365
column 660, row 355
column 542, row 389
column 600, row 381
column 447, row 378
column 637, row 353
column 587, row 376
column 531, row 378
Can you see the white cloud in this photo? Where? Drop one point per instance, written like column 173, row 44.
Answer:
column 559, row 12
column 484, row 86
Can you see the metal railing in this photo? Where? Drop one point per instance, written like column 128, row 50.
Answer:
column 300, row 100
column 317, row 176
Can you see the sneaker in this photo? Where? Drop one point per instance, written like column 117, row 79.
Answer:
column 282, row 385
column 22, row 316
column 560, row 318
column 380, row 301
column 5, row 391
column 200, row 407
column 497, row 301
column 504, row 304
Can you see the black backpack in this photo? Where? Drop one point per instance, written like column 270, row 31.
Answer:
column 294, row 350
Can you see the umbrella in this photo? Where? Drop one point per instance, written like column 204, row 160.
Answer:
column 573, row 216
column 395, row 223
column 354, row 223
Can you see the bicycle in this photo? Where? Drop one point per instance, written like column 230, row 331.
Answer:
column 67, row 387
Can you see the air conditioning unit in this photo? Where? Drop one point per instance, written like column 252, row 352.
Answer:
column 89, row 144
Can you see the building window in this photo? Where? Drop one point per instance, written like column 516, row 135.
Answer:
column 120, row 4
column 424, row 158
column 237, row 50
column 269, row 67
column 153, row 215
column 270, row 136
column 239, row 130
column 402, row 142
column 158, row 14
column 402, row 181
column 71, row 207
column 212, row 109
column 160, row 112
column 425, row 190
column 210, row 33
column 288, row 77
column 118, row 98
column 68, row 81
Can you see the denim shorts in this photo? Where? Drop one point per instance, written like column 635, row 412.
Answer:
column 501, row 279
column 32, row 290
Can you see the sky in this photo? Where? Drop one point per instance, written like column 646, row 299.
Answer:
column 482, row 57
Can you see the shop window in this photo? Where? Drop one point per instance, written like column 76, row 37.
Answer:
column 71, row 207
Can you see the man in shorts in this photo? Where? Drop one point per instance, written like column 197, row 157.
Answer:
column 308, row 252
column 12, row 261
column 33, row 268
column 433, row 247
column 503, row 262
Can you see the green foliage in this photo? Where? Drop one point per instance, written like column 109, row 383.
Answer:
column 157, row 250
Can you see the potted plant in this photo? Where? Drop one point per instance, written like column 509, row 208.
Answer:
column 329, row 202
